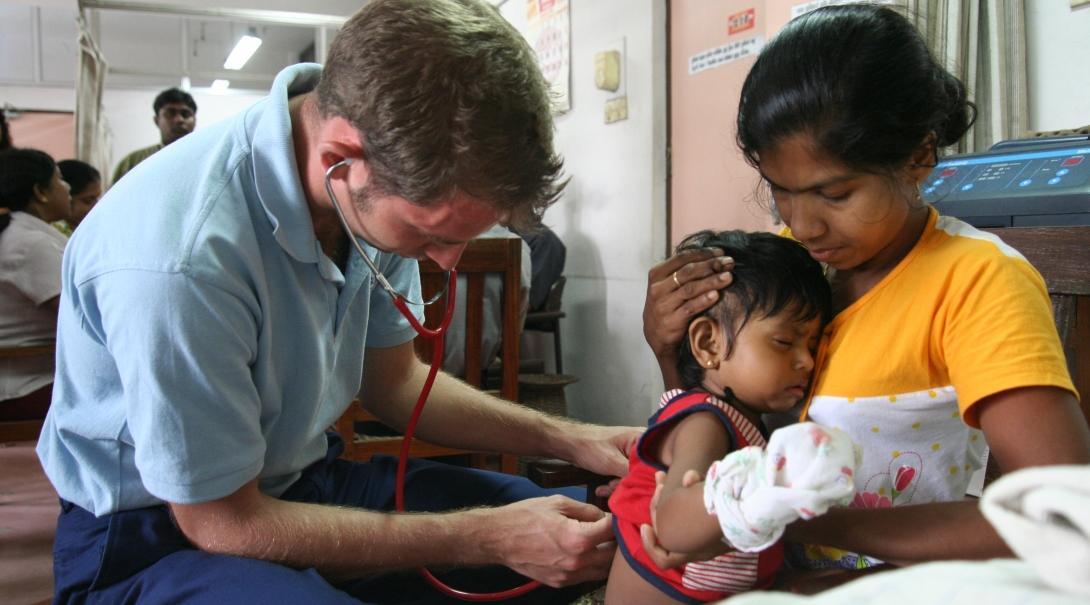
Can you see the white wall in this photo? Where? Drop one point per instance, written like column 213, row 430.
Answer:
column 612, row 215
column 1059, row 64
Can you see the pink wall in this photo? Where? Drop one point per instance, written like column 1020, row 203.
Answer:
column 712, row 187
column 51, row 132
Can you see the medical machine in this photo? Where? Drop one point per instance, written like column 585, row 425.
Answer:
column 1017, row 183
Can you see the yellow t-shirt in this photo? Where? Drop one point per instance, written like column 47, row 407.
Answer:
column 961, row 317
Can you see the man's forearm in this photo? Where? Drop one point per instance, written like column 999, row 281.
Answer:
column 342, row 543
column 554, row 540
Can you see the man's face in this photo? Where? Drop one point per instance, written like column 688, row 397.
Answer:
column 175, row 120
column 439, row 231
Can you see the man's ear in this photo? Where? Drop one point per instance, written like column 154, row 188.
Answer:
column 706, row 341
column 340, row 140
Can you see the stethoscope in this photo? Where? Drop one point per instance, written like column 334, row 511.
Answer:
column 436, row 336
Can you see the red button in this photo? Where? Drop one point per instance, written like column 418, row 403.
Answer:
column 1073, row 161
column 948, row 172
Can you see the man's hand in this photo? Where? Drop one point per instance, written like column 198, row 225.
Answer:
column 555, row 540
column 599, row 449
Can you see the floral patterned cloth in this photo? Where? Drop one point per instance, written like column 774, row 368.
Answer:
column 755, row 493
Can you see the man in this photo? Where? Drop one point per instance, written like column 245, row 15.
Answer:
column 547, row 254
column 214, row 322
column 175, row 116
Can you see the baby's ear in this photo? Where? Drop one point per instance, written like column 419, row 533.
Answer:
column 706, row 341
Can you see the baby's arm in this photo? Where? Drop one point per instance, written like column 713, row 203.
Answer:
column 681, row 521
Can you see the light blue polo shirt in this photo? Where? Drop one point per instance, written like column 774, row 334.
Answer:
column 204, row 339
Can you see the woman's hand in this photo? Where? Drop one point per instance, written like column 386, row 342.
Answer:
column 677, row 289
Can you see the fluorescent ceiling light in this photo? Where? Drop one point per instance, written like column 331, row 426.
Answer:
column 246, row 47
column 220, row 85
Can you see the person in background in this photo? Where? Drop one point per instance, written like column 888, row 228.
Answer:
column 85, row 183
column 32, row 195
column 175, row 116
column 547, row 256
column 942, row 334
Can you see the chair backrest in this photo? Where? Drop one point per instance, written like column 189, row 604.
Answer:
column 481, row 257
column 556, row 292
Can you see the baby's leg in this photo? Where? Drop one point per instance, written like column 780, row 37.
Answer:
column 626, row 587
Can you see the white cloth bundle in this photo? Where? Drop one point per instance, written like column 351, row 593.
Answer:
column 1043, row 514
column 755, row 493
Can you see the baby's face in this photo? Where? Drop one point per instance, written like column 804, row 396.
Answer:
column 772, row 362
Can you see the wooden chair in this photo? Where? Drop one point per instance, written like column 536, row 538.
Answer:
column 1062, row 256
column 23, row 430
column 547, row 318
column 482, row 256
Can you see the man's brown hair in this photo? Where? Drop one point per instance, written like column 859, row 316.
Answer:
column 447, row 96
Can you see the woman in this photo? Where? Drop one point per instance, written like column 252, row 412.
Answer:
column 940, row 329
column 86, row 187
column 32, row 195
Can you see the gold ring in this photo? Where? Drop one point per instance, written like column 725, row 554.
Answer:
column 675, row 279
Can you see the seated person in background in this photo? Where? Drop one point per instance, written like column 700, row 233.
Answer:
column 175, row 116
column 32, row 195
column 547, row 256
column 85, row 183
column 751, row 353
column 454, row 345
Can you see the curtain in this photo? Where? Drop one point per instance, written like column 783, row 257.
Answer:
column 983, row 43
column 93, row 136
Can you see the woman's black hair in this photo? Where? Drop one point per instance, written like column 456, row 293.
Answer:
column 5, row 132
column 772, row 275
column 78, row 175
column 860, row 81
column 20, row 171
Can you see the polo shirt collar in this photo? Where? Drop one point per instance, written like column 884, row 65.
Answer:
column 276, row 172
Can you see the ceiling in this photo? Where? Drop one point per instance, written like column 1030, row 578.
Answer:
column 154, row 43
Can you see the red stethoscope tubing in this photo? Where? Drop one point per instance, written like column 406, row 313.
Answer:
column 436, row 337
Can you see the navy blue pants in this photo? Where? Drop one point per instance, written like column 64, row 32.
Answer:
column 140, row 556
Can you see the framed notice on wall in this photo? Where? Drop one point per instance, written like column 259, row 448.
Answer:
column 549, row 32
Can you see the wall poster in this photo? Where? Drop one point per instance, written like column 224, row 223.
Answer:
column 549, row 32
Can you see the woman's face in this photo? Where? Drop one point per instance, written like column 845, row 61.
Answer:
column 851, row 220
column 51, row 203
column 83, row 201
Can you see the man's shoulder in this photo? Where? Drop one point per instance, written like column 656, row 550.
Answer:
column 133, row 158
column 143, row 152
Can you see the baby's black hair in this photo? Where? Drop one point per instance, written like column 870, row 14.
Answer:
column 772, row 275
